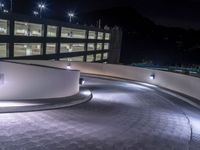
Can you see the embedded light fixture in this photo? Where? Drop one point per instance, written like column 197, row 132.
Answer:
column 68, row 66
column 152, row 77
column 81, row 81
column 35, row 13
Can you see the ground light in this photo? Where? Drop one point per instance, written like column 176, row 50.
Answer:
column 81, row 81
column 68, row 66
column 152, row 77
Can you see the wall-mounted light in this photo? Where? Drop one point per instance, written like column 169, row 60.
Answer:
column 152, row 77
column 81, row 81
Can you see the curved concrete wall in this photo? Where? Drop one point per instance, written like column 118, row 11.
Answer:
column 187, row 85
column 18, row 81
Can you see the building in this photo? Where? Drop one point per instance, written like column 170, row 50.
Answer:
column 23, row 37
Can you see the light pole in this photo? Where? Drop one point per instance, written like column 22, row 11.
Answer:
column 11, row 6
column 35, row 13
column 41, row 6
column 70, row 15
column 1, row 6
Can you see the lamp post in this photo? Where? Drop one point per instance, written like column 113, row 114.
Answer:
column 11, row 6
column 70, row 15
column 41, row 7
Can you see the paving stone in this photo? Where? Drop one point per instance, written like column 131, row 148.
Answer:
column 120, row 116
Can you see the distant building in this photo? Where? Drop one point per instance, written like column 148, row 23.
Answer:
column 23, row 37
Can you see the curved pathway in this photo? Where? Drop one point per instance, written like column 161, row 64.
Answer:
column 121, row 116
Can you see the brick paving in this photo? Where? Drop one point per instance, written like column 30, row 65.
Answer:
column 121, row 116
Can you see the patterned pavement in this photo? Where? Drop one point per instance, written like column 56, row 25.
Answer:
column 121, row 116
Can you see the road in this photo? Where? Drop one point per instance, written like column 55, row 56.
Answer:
column 120, row 116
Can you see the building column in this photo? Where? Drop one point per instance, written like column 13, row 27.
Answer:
column 115, row 46
column 11, row 42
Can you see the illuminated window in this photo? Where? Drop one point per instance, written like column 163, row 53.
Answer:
column 106, row 46
column 77, row 58
column 105, row 55
column 27, row 49
column 28, row 29
column 99, row 46
column 52, row 31
column 90, row 58
column 98, row 57
column 51, row 48
column 3, row 50
column 4, row 27
column 92, row 35
column 100, row 36
column 73, row 33
column 90, row 47
column 72, row 47
column 107, row 36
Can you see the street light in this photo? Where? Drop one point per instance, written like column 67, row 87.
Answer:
column 41, row 7
column 11, row 6
column 5, row 11
column 70, row 15
column 1, row 6
column 35, row 13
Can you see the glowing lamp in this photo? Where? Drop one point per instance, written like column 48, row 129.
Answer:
column 152, row 77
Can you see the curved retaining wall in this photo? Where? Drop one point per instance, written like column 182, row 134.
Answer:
column 187, row 85
column 18, row 81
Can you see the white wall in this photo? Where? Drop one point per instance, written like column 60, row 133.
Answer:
column 34, row 82
column 187, row 85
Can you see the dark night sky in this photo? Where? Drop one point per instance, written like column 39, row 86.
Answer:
column 182, row 13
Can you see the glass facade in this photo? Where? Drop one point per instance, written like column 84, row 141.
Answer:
column 73, row 33
column 3, row 50
column 92, row 35
column 90, row 58
column 91, row 47
column 27, row 49
column 107, row 36
column 77, row 58
column 100, row 36
column 105, row 55
column 28, row 29
column 51, row 48
column 49, row 40
column 4, row 27
column 98, row 57
column 99, row 46
column 106, row 46
column 52, row 31
column 72, row 47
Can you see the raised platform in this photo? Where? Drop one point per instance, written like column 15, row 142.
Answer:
column 11, row 106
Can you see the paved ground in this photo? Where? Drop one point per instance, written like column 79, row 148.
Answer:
column 121, row 116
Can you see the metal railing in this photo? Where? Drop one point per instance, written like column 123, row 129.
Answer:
column 192, row 71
